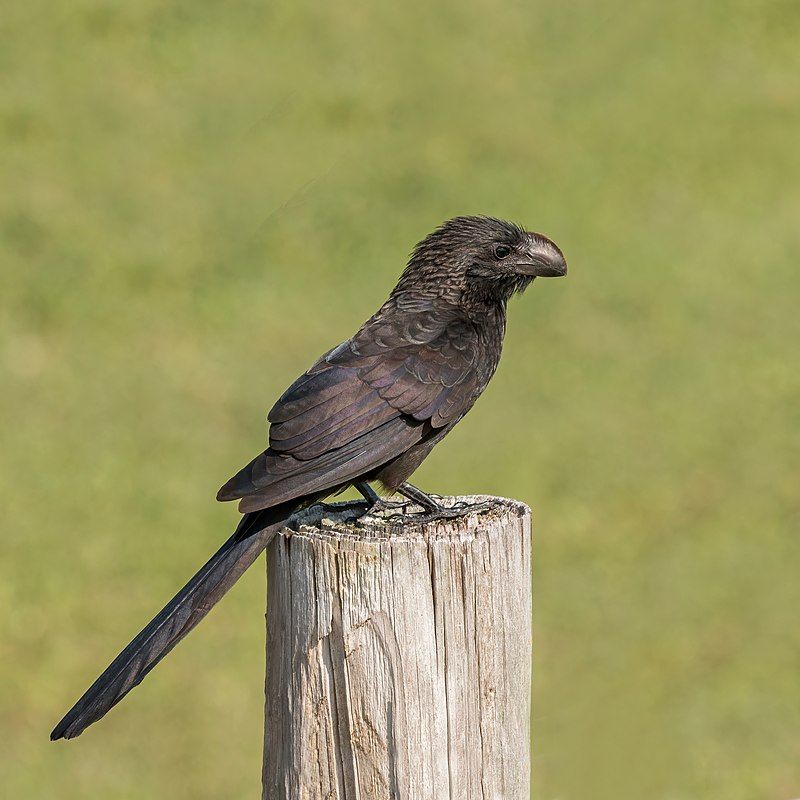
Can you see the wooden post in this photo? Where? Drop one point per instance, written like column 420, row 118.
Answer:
column 399, row 657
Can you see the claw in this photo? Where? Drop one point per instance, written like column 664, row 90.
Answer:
column 426, row 515
column 398, row 510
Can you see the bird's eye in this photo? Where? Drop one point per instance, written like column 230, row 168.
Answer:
column 501, row 251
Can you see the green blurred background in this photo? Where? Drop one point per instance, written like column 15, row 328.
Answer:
column 199, row 198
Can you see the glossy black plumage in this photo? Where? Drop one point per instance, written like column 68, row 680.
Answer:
column 370, row 409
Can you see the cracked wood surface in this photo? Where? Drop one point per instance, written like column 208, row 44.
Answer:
column 399, row 656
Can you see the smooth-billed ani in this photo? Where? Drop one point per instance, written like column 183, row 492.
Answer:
column 371, row 409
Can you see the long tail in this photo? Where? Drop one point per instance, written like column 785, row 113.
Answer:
column 177, row 618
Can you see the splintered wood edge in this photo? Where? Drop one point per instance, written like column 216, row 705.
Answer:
column 337, row 521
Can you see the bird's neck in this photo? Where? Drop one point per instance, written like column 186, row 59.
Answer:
column 483, row 304
column 489, row 320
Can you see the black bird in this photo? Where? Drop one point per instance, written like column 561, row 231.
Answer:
column 371, row 409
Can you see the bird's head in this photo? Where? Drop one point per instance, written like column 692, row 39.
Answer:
column 488, row 256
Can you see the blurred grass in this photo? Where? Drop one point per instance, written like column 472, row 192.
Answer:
column 199, row 198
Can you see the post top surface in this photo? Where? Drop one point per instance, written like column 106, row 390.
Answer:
column 340, row 521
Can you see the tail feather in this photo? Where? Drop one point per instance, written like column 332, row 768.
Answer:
column 177, row 618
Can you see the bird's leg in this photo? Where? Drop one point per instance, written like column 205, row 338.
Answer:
column 367, row 492
column 374, row 501
column 434, row 510
column 428, row 504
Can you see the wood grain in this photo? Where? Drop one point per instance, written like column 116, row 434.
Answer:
column 399, row 657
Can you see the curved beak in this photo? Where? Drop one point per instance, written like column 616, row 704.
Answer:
column 543, row 259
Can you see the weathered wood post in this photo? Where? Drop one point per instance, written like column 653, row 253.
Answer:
column 399, row 657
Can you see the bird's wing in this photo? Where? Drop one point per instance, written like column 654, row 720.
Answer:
column 363, row 404
column 427, row 365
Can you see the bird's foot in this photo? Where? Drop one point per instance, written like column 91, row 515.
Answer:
column 384, row 507
column 432, row 509
column 428, row 502
column 456, row 511
column 373, row 505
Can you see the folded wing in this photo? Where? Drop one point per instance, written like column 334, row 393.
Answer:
column 366, row 402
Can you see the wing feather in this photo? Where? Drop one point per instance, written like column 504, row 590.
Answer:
column 364, row 403
column 274, row 477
